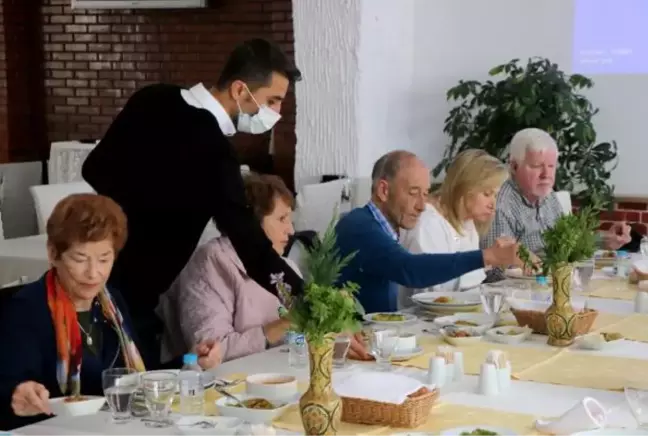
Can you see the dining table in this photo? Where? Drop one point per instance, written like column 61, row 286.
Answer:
column 547, row 381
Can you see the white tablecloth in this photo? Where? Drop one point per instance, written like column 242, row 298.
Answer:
column 23, row 257
column 541, row 400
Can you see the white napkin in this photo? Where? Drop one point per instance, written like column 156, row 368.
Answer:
column 377, row 386
column 641, row 266
column 587, row 414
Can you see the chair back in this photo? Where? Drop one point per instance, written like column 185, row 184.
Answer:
column 47, row 196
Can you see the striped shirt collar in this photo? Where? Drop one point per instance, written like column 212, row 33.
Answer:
column 382, row 221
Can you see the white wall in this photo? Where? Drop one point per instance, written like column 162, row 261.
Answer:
column 376, row 74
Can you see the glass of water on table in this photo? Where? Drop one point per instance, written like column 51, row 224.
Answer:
column 383, row 342
column 582, row 275
column 119, row 385
column 159, row 389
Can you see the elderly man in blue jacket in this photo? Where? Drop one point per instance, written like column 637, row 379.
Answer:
column 400, row 184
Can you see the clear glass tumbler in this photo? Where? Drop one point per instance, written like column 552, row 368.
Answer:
column 119, row 386
column 383, row 344
column 159, row 389
column 582, row 275
column 340, row 350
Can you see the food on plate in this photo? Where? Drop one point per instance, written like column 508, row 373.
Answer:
column 466, row 323
column 609, row 337
column 75, row 399
column 510, row 332
column 479, row 432
column 443, row 300
column 606, row 254
column 459, row 334
column 388, row 317
column 257, row 403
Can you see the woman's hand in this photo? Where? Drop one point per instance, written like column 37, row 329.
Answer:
column 357, row 348
column 276, row 330
column 30, row 398
column 209, row 354
column 536, row 266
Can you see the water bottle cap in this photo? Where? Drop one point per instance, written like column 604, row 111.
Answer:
column 190, row 359
column 541, row 280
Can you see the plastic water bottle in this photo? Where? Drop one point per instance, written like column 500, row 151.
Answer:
column 297, row 351
column 192, row 391
column 623, row 264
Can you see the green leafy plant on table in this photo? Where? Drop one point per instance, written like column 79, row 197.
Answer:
column 320, row 313
column 538, row 94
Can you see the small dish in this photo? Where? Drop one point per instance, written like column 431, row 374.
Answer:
column 401, row 355
column 480, row 322
column 509, row 334
column 227, row 407
column 597, row 341
column 390, row 318
column 89, row 405
column 271, row 386
column 458, row 337
column 478, row 430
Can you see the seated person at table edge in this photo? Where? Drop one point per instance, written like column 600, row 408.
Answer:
column 400, row 184
column 60, row 332
column 527, row 204
column 167, row 161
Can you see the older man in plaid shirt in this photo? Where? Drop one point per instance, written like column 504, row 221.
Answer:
column 527, row 204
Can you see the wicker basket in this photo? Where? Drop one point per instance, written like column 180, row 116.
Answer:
column 536, row 321
column 412, row 413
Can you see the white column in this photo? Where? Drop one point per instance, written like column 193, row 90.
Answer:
column 354, row 101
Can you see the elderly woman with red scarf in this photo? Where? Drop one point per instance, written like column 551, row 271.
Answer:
column 60, row 332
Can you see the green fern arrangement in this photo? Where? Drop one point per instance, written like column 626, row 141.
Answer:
column 325, row 308
column 571, row 239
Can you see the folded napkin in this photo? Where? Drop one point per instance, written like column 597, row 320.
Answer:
column 587, row 414
column 376, row 386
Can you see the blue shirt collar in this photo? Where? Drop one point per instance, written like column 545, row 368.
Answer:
column 382, row 221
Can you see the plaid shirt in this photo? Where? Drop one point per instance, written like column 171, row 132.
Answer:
column 515, row 216
column 380, row 218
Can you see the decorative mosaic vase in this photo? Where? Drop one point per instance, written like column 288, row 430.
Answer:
column 560, row 316
column 320, row 406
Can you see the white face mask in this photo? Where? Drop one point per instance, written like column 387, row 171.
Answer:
column 264, row 120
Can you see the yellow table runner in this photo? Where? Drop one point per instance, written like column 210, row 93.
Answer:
column 443, row 417
column 584, row 370
column 521, row 358
column 633, row 327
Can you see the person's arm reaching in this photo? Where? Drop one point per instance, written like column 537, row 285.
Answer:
column 235, row 218
column 382, row 256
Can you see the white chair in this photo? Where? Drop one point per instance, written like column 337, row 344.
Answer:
column 47, row 196
column 564, row 198
column 318, row 203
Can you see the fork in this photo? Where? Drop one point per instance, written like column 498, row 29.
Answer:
column 221, row 384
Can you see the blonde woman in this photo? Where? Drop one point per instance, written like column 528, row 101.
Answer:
column 459, row 213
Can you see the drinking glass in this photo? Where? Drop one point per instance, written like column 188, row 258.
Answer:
column 159, row 389
column 340, row 350
column 637, row 399
column 119, row 385
column 493, row 299
column 583, row 272
column 383, row 343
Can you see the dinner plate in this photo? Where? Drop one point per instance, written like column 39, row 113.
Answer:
column 406, row 318
column 500, row 431
column 456, row 299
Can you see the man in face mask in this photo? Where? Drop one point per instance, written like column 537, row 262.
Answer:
column 167, row 161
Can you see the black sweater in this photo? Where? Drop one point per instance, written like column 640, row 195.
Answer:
column 171, row 169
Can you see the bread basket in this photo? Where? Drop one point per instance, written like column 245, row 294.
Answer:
column 412, row 413
column 532, row 314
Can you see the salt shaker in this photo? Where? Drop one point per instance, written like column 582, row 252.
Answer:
column 504, row 377
column 641, row 299
column 488, row 382
column 458, row 366
column 437, row 371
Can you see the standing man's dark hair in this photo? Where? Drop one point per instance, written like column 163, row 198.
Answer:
column 167, row 161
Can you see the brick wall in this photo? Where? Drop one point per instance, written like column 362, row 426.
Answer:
column 93, row 60
column 634, row 211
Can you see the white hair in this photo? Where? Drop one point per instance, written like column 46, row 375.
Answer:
column 530, row 139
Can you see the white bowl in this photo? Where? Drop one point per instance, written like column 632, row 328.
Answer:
column 89, row 406
column 406, row 342
column 481, row 321
column 459, row 341
column 503, row 336
column 271, row 386
column 226, row 407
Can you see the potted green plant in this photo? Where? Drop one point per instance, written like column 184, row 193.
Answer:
column 322, row 312
column 538, row 94
column 570, row 240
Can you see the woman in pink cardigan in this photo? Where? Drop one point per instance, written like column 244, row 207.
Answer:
column 214, row 298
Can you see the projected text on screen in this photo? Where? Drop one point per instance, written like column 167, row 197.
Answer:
column 610, row 37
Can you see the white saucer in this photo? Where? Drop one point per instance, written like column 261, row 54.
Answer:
column 402, row 355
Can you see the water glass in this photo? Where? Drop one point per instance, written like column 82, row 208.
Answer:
column 383, row 345
column 119, row 386
column 583, row 272
column 643, row 246
column 340, row 350
column 159, row 389
column 493, row 299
